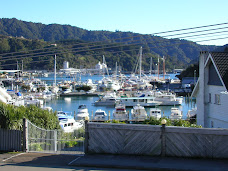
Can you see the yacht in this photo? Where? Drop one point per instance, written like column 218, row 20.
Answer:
column 142, row 100
column 99, row 115
column 155, row 113
column 138, row 113
column 107, row 100
column 176, row 114
column 165, row 97
column 67, row 122
column 120, row 113
column 83, row 113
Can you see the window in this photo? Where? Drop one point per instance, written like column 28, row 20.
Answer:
column 209, row 98
column 212, row 124
column 217, row 99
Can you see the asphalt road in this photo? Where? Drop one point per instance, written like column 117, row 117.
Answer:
column 44, row 162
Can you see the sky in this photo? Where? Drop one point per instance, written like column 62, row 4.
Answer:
column 138, row 16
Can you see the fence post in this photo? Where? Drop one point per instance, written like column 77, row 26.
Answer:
column 109, row 115
column 163, row 138
column 25, row 135
column 86, row 140
column 55, row 140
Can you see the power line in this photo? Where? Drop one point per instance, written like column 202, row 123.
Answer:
column 195, row 32
column 126, row 50
column 121, row 38
column 105, row 46
column 202, row 34
column 191, row 28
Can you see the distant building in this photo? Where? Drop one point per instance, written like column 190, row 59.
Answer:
column 68, row 70
column 65, row 65
column 212, row 102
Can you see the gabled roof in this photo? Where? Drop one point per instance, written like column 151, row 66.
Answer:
column 221, row 62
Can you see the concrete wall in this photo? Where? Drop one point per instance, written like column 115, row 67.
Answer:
column 156, row 140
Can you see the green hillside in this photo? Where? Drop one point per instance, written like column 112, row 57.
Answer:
column 121, row 47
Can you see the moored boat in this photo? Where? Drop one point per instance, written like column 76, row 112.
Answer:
column 176, row 114
column 138, row 113
column 99, row 115
column 120, row 113
column 83, row 113
column 142, row 100
column 155, row 113
column 67, row 122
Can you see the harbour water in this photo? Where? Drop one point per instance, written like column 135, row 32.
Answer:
column 70, row 104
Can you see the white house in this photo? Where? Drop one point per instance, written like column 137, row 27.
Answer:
column 212, row 102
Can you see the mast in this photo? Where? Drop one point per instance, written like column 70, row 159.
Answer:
column 151, row 65
column 55, row 72
column 164, row 68
column 140, row 62
column 116, row 72
column 158, row 67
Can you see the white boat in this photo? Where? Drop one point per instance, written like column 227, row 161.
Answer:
column 67, row 122
column 120, row 113
column 155, row 113
column 99, row 115
column 31, row 100
column 176, row 114
column 83, row 113
column 138, row 113
column 107, row 100
column 165, row 97
column 142, row 100
column 66, row 91
column 192, row 113
column 168, row 98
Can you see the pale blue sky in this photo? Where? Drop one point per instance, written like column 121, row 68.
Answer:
column 139, row 16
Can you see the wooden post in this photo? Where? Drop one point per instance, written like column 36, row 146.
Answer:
column 86, row 141
column 163, row 143
column 25, row 135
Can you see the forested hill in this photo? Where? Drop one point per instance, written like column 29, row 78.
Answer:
column 175, row 49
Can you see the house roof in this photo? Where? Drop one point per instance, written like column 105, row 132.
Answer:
column 221, row 62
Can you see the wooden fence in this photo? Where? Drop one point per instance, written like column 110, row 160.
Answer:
column 10, row 140
column 156, row 140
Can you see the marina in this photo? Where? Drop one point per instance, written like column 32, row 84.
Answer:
column 70, row 102
column 106, row 101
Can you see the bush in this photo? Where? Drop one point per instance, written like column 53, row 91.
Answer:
column 11, row 117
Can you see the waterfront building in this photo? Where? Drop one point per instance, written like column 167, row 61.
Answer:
column 211, row 90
